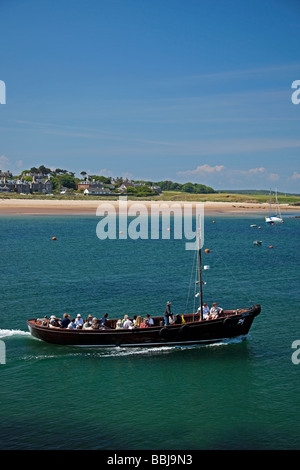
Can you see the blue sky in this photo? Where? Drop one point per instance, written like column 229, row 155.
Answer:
column 183, row 90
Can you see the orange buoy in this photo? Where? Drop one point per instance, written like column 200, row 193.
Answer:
column 53, row 238
column 207, row 250
column 259, row 227
column 271, row 246
column 214, row 221
column 120, row 232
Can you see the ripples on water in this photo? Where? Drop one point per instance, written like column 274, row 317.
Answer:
column 236, row 394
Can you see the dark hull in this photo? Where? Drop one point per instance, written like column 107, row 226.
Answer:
column 192, row 332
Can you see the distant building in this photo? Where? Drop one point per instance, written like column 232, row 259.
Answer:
column 94, row 187
column 5, row 174
column 97, row 191
column 84, row 185
column 125, row 185
column 19, row 186
column 157, row 189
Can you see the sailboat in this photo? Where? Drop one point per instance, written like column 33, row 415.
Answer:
column 276, row 217
column 188, row 329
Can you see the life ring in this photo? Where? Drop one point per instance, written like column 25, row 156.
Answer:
column 164, row 332
column 228, row 322
column 184, row 330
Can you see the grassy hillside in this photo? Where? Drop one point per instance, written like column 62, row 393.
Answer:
column 226, row 197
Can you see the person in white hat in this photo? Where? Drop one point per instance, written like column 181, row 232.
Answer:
column 78, row 321
column 53, row 322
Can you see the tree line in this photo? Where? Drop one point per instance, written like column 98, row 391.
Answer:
column 64, row 178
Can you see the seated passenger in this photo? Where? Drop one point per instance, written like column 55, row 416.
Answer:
column 119, row 325
column 138, row 322
column 178, row 319
column 53, row 323
column 150, row 320
column 103, row 322
column 79, row 320
column 205, row 310
column 86, row 325
column 71, row 325
column 145, row 323
column 215, row 311
column 65, row 321
column 124, row 319
column 95, row 324
column 128, row 324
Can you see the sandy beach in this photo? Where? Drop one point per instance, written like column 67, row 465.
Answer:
column 73, row 207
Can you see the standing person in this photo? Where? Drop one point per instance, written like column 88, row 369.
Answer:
column 168, row 314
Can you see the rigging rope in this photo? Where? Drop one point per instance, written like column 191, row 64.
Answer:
column 234, row 277
column 188, row 296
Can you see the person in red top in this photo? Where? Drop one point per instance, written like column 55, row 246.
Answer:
column 145, row 323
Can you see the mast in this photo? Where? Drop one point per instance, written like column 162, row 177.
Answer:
column 277, row 206
column 200, row 272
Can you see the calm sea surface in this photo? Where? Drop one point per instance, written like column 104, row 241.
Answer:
column 235, row 395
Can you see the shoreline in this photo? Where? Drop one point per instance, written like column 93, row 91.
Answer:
column 71, row 207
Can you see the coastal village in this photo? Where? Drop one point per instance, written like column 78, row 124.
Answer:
column 45, row 181
column 34, row 182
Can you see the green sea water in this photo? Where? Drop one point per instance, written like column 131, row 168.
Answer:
column 241, row 394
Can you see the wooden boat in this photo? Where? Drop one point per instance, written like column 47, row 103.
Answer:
column 230, row 324
column 190, row 328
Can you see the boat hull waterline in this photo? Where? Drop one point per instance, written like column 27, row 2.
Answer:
column 273, row 220
column 232, row 324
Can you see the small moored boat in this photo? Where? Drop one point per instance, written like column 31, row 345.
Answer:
column 276, row 217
